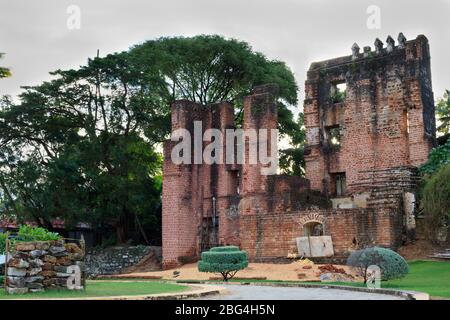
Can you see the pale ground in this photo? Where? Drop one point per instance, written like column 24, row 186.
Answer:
column 254, row 270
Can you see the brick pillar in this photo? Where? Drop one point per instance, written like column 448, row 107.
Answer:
column 181, row 208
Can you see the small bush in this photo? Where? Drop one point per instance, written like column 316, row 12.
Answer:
column 392, row 265
column 224, row 260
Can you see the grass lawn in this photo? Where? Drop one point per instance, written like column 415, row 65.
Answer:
column 432, row 277
column 102, row 289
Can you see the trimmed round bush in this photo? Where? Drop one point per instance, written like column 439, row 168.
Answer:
column 225, row 260
column 392, row 265
column 224, row 248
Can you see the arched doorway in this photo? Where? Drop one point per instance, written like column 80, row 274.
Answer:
column 313, row 229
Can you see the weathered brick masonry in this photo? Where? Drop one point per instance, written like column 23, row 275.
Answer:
column 361, row 158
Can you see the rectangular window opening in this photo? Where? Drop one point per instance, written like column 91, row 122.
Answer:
column 334, row 136
column 338, row 92
column 340, row 184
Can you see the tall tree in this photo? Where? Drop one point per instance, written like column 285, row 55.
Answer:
column 82, row 146
column 443, row 113
column 4, row 72
column 209, row 69
column 75, row 147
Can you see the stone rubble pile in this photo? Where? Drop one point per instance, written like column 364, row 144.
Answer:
column 40, row 265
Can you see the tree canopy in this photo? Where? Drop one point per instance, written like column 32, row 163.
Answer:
column 4, row 72
column 443, row 113
column 84, row 146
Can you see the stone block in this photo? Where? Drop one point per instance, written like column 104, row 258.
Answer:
column 15, row 272
column 33, row 271
column 73, row 248
column 63, row 261
column 47, row 266
column 24, row 246
column 34, row 279
column 18, row 263
column 35, row 285
column 49, row 282
column 49, row 259
column 47, row 273
column 316, row 246
column 16, row 290
column 42, row 245
column 62, row 269
column 36, row 263
column 15, row 282
column 58, row 251
column 37, row 253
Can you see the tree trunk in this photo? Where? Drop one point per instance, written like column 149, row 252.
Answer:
column 122, row 227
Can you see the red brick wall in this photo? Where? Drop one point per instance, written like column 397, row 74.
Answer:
column 386, row 119
column 272, row 236
column 387, row 128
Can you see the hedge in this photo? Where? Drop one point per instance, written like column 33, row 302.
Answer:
column 225, row 260
column 392, row 265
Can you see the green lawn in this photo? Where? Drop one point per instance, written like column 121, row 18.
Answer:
column 104, row 288
column 432, row 277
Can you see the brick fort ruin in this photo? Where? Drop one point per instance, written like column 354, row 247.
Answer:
column 363, row 147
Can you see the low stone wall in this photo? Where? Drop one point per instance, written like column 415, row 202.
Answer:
column 40, row 265
column 112, row 260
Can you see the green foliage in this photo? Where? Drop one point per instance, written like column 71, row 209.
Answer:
column 4, row 72
column 209, row 68
column 436, row 200
column 338, row 96
column 443, row 113
column 27, row 233
column 224, row 249
column 392, row 265
column 30, row 233
column 83, row 146
column 438, row 157
column 224, row 260
column 3, row 238
column 292, row 159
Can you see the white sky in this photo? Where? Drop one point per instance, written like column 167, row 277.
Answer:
column 36, row 40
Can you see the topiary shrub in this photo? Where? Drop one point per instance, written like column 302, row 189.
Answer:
column 226, row 260
column 392, row 265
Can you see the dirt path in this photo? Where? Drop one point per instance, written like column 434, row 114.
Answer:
column 295, row 271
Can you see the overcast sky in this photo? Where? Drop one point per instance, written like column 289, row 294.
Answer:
column 35, row 37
